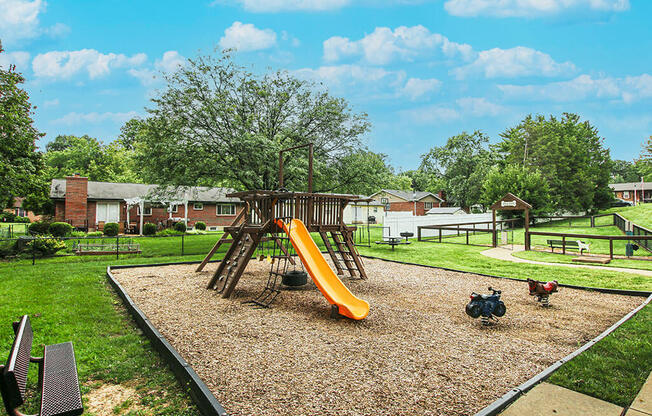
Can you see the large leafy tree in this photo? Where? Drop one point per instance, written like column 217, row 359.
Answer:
column 461, row 165
column 644, row 162
column 217, row 123
column 624, row 171
column 529, row 185
column 20, row 164
column 569, row 153
column 67, row 155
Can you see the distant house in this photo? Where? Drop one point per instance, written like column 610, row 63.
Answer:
column 89, row 205
column 17, row 209
column 418, row 203
column 446, row 211
column 627, row 191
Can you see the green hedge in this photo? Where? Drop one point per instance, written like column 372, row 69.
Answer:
column 60, row 229
column 111, row 229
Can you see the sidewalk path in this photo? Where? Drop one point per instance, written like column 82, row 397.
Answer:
column 502, row 253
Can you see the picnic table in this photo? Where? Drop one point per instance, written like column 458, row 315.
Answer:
column 393, row 241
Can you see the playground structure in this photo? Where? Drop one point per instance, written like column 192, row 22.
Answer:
column 283, row 216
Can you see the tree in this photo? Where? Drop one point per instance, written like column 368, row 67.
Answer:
column 527, row 184
column 20, row 164
column 67, row 155
column 624, row 171
column 217, row 123
column 568, row 153
column 644, row 162
column 462, row 163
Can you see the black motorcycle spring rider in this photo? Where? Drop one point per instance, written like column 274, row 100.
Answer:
column 489, row 306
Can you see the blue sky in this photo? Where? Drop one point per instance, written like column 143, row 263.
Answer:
column 422, row 69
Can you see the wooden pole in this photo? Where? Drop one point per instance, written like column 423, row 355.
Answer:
column 494, row 240
column 527, row 228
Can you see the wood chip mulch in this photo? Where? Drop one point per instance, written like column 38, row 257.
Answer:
column 417, row 353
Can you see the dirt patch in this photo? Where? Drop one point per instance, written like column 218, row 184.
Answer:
column 112, row 400
column 416, row 352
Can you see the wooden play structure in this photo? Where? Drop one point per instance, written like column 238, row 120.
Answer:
column 270, row 216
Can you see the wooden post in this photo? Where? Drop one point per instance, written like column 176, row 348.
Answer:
column 611, row 249
column 440, row 235
column 494, row 240
column 527, row 228
column 467, row 237
column 563, row 244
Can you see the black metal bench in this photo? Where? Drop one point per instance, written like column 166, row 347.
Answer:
column 573, row 245
column 58, row 382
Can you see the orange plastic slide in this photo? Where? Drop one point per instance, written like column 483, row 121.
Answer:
column 323, row 276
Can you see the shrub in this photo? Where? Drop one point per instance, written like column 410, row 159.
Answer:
column 7, row 217
column 111, row 229
column 39, row 227
column 23, row 220
column 149, row 228
column 180, row 227
column 168, row 231
column 94, row 234
column 7, row 248
column 60, row 229
column 200, row 225
column 44, row 246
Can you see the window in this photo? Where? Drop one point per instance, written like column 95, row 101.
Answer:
column 198, row 206
column 626, row 194
column 107, row 212
column 384, row 201
column 146, row 213
column 174, row 208
column 375, row 209
column 427, row 205
column 225, row 209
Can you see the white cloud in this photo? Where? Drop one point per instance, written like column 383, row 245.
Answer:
column 261, row 6
column 515, row 62
column 19, row 21
column 247, row 37
column 51, row 103
column 479, row 107
column 94, row 118
column 352, row 75
column 405, row 43
column 169, row 62
column 66, row 64
column 530, row 8
column 430, row 115
column 627, row 89
column 416, row 87
column 19, row 58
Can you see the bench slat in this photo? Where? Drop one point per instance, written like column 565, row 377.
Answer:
column 61, row 394
column 15, row 372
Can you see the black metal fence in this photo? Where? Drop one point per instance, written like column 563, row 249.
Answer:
column 42, row 248
column 638, row 230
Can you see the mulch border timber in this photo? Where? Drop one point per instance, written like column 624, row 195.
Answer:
column 208, row 404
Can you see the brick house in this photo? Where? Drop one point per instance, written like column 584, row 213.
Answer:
column 627, row 191
column 418, row 203
column 17, row 209
column 89, row 205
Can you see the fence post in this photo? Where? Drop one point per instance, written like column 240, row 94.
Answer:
column 467, row 237
column 563, row 244
column 440, row 235
column 33, row 250
column 182, row 236
column 611, row 249
column 117, row 247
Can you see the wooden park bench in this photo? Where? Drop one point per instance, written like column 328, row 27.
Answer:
column 58, row 382
column 573, row 245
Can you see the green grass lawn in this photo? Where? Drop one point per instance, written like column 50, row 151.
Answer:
column 68, row 299
column 568, row 259
column 640, row 214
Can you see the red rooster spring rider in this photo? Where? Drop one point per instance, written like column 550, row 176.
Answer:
column 542, row 290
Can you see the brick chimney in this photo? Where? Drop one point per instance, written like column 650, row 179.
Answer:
column 76, row 199
column 442, row 195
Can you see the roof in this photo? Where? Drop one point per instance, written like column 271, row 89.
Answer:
column 407, row 195
column 120, row 191
column 445, row 210
column 510, row 202
column 630, row 186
